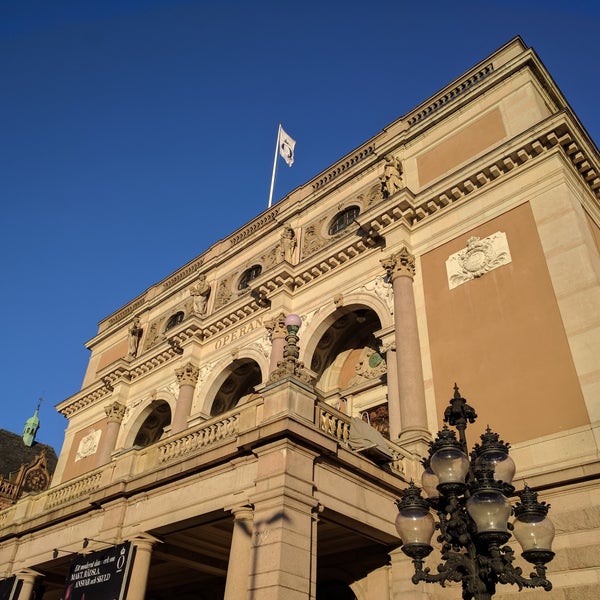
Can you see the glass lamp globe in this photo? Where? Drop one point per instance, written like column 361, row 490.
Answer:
column 535, row 532
column 489, row 509
column 449, row 462
column 293, row 322
column 533, row 529
column 429, row 483
column 414, row 523
column 501, row 464
column 492, row 453
column 415, row 526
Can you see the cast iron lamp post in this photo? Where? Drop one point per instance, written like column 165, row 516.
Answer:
column 469, row 495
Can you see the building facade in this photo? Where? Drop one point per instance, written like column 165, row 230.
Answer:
column 245, row 459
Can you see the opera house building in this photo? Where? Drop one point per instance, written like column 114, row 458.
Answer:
column 247, row 425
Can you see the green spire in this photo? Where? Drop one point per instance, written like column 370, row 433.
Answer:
column 31, row 426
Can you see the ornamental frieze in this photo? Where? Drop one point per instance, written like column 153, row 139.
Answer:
column 381, row 288
column 371, row 196
column 314, row 239
column 224, row 292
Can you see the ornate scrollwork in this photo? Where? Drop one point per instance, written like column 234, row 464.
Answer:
column 478, row 258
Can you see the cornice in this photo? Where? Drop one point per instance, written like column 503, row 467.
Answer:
column 334, row 255
column 448, row 95
column 556, row 133
column 341, row 167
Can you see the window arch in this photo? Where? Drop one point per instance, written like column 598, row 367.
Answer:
column 244, row 376
column 343, row 219
column 248, row 275
column 152, row 429
column 174, row 320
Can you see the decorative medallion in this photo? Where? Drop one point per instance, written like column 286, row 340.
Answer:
column 88, row 444
column 478, row 258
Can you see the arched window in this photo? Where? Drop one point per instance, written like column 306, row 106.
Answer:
column 174, row 320
column 249, row 274
column 343, row 219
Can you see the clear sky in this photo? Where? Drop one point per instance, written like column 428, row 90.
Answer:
column 133, row 135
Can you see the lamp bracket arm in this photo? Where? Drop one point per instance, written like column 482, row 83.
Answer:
column 507, row 573
column 455, row 569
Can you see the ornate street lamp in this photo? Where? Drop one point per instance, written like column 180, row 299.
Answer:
column 470, row 497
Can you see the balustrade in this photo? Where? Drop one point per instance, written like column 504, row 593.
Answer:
column 203, row 436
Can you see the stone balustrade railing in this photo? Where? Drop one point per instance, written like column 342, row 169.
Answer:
column 333, row 422
column 337, row 425
column 205, row 435
column 74, row 489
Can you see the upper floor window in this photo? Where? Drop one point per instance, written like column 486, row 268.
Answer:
column 249, row 274
column 174, row 320
column 343, row 219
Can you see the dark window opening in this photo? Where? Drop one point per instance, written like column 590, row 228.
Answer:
column 343, row 220
column 174, row 320
column 248, row 275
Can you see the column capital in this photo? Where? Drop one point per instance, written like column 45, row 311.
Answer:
column 243, row 513
column 276, row 327
column 399, row 264
column 115, row 412
column 188, row 374
column 28, row 574
column 145, row 540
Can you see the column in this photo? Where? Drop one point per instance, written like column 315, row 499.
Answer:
column 141, row 566
column 28, row 577
column 388, row 349
column 114, row 415
column 187, row 378
column 400, row 268
column 240, row 554
column 277, row 333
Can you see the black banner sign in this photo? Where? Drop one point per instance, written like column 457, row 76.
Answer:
column 9, row 588
column 101, row 575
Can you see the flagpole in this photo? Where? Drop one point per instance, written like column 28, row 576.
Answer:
column 274, row 166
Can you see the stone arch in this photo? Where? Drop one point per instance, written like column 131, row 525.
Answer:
column 311, row 334
column 232, row 384
column 213, row 374
column 139, row 414
column 351, row 372
column 156, row 418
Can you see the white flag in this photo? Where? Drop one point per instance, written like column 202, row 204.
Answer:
column 286, row 147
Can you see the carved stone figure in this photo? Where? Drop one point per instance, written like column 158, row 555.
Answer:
column 223, row 293
column 391, row 180
column 135, row 333
column 200, row 293
column 288, row 244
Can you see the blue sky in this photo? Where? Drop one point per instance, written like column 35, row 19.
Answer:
column 133, row 135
